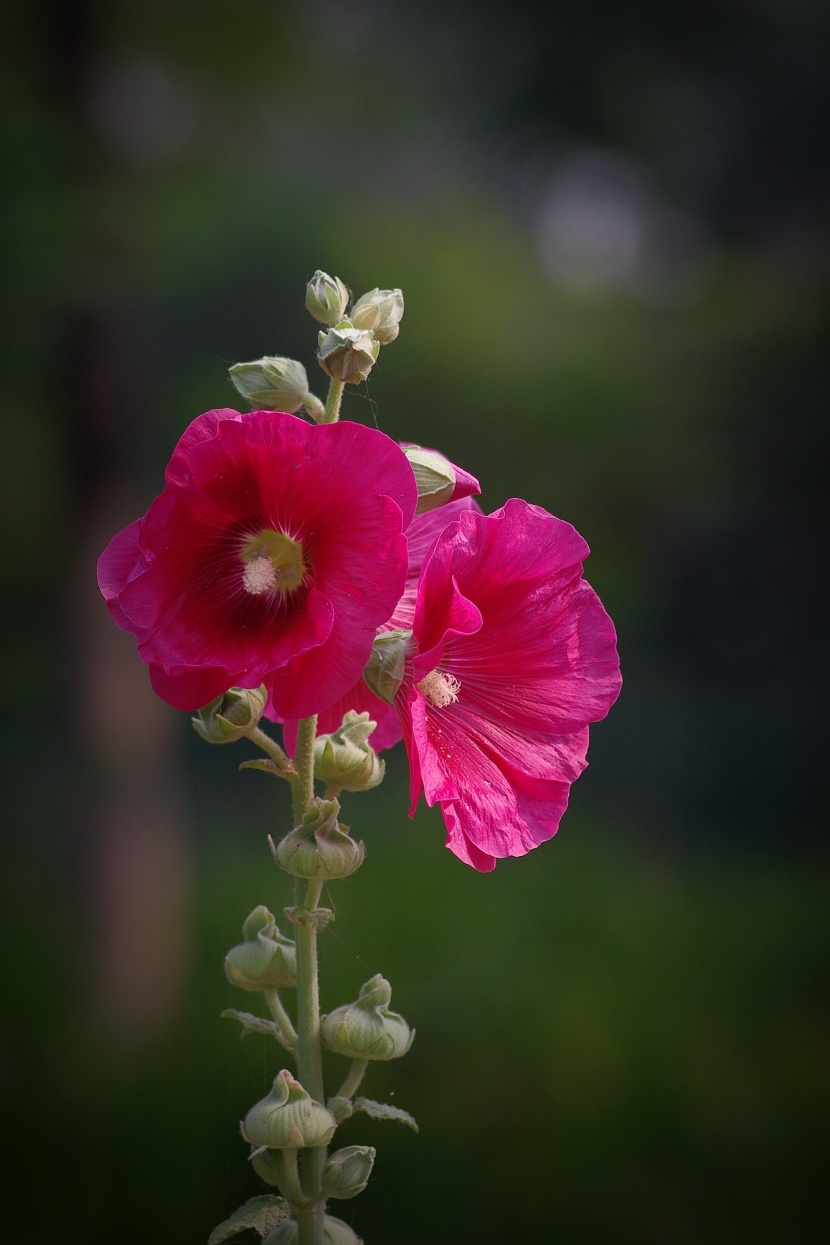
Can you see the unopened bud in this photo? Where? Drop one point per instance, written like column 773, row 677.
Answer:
column 288, row 1118
column 266, row 960
column 380, row 311
column 231, row 716
column 367, row 1029
column 326, row 298
column 347, row 1171
column 438, row 480
column 347, row 353
column 275, row 384
column 385, row 667
column 335, row 1232
column 344, row 759
column 319, row 847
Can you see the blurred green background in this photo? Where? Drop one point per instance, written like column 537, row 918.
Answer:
column 609, row 225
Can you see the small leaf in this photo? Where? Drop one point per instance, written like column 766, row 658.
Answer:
column 263, row 1214
column 318, row 917
column 267, row 767
column 383, row 1111
column 256, row 1024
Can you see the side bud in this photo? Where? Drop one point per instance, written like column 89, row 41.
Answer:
column 275, row 384
column 347, row 353
column 380, row 311
column 266, row 960
column 326, row 298
column 288, row 1118
column 344, row 758
column 385, row 667
column 231, row 716
column 438, row 480
column 319, row 847
column 367, row 1029
column 347, row 1171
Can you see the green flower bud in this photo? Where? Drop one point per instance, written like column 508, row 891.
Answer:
column 380, row 311
column 335, row 1232
column 287, row 1118
column 326, row 298
column 385, row 667
column 347, row 1171
column 231, row 716
column 274, row 384
column 344, row 759
column 319, row 847
column 434, row 476
column 346, row 353
column 266, row 960
column 367, row 1029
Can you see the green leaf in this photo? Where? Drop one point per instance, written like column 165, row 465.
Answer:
column 263, row 1214
column 383, row 1111
column 267, row 767
column 255, row 1024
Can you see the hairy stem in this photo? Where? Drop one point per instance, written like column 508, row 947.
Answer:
column 332, row 412
column 275, row 1007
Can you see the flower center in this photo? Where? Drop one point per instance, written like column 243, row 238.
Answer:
column 441, row 689
column 273, row 562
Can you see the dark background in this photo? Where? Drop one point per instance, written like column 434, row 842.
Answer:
column 608, row 224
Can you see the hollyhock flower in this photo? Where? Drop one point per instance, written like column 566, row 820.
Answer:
column 421, row 535
column 512, row 656
column 274, row 553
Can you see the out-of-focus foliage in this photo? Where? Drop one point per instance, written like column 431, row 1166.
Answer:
column 607, row 222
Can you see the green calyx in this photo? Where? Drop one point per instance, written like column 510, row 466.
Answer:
column 274, row 383
column 380, row 311
column 387, row 661
column 231, row 716
column 288, row 1118
column 319, row 847
column 367, row 1029
column 434, row 476
column 347, row 353
column 344, row 759
column 326, row 298
column 347, row 1171
column 266, row 960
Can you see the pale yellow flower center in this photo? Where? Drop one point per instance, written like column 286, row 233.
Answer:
column 272, row 562
column 439, row 688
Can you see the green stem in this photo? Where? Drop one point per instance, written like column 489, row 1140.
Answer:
column 309, row 1053
column 290, row 1186
column 271, row 748
column 353, row 1078
column 275, row 1007
column 332, row 411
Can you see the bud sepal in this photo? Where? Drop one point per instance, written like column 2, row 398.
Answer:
column 385, row 668
column 347, row 1171
column 274, row 383
column 367, row 1029
column 288, row 1118
column 380, row 311
column 344, row 760
column 232, row 716
column 319, row 847
column 326, row 298
column 266, row 960
column 346, row 353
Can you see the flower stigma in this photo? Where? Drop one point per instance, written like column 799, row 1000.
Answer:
column 273, row 562
column 441, row 689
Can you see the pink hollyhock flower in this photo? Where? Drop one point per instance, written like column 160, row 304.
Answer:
column 274, row 553
column 512, row 656
column 421, row 535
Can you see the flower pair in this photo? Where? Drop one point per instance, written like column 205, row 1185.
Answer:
column 279, row 549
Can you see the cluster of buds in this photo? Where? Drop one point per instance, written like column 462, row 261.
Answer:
column 348, row 351
column 347, row 348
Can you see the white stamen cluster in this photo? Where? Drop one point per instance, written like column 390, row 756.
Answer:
column 441, row 689
column 259, row 576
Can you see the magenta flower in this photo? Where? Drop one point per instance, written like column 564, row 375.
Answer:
column 273, row 555
column 512, row 656
column 421, row 535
